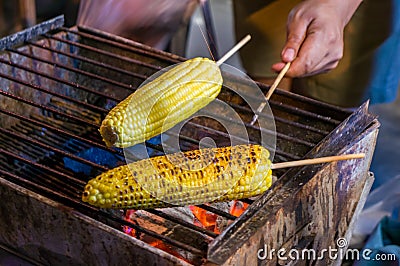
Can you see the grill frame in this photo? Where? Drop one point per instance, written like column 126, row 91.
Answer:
column 332, row 115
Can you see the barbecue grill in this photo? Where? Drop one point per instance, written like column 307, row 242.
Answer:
column 56, row 86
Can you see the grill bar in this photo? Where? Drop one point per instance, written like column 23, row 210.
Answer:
column 280, row 119
column 170, row 60
column 35, row 187
column 157, row 236
column 158, row 148
column 50, row 77
column 102, row 52
column 61, row 132
column 279, row 134
column 104, row 110
column 206, row 128
column 217, row 211
column 138, row 49
column 106, row 215
column 12, row 96
column 6, row 141
column 293, row 110
column 91, row 75
column 36, row 143
column 88, row 60
column 270, row 132
column 127, row 223
column 182, row 222
column 50, row 148
column 40, row 166
column 39, row 88
column 304, row 113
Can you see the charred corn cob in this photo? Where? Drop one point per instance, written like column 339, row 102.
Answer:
column 162, row 103
column 194, row 177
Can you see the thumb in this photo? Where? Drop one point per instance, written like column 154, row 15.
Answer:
column 296, row 33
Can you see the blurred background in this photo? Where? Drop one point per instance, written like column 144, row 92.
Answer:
column 19, row 14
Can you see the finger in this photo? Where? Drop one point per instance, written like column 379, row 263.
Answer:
column 296, row 33
column 312, row 52
column 317, row 55
column 323, row 69
column 277, row 67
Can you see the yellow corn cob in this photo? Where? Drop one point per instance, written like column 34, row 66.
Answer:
column 175, row 95
column 207, row 175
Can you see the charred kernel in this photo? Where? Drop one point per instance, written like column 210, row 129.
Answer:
column 207, row 183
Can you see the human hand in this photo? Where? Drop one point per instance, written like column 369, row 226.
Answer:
column 314, row 42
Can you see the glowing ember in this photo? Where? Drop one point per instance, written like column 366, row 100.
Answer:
column 157, row 243
column 161, row 245
column 129, row 230
column 238, row 207
column 202, row 218
column 205, row 219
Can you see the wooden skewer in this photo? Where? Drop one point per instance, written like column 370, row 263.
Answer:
column 270, row 91
column 234, row 50
column 318, row 160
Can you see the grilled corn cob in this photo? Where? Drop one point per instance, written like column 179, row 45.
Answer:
column 162, row 103
column 194, row 177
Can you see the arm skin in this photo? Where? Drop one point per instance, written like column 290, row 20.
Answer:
column 314, row 42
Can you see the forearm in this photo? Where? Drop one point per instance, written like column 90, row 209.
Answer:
column 347, row 8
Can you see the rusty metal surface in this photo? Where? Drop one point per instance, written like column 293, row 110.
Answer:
column 281, row 193
column 320, row 209
column 31, row 33
column 23, row 226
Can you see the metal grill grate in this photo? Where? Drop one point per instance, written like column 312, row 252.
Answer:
column 55, row 90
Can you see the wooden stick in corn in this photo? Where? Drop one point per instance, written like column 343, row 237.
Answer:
column 326, row 159
column 165, row 101
column 216, row 174
column 194, row 177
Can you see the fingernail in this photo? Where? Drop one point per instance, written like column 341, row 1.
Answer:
column 289, row 54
